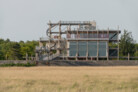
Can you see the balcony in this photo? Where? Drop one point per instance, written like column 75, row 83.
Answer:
column 91, row 39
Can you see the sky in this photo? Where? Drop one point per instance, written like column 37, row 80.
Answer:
column 27, row 19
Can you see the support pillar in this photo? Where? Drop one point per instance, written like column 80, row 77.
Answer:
column 97, row 45
column 77, row 52
column 59, row 39
column 97, row 50
column 26, row 56
column 108, row 45
column 76, row 58
column 107, row 50
column 118, row 42
column 87, row 54
column 36, row 57
column 40, row 44
column 128, row 56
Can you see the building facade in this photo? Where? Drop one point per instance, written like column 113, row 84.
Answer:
column 79, row 40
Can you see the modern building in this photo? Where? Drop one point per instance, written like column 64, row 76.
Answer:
column 78, row 40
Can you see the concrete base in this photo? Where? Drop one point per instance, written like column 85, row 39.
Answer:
column 94, row 63
column 75, row 63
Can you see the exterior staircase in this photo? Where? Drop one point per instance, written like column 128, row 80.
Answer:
column 51, row 57
column 45, row 60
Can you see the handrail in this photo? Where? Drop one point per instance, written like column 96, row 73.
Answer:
column 51, row 57
column 87, row 38
column 74, row 22
column 71, row 22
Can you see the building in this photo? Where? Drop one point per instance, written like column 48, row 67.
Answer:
column 78, row 40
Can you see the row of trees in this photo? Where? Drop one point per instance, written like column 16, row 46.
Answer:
column 10, row 50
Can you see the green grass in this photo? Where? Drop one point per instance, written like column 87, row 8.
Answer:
column 18, row 64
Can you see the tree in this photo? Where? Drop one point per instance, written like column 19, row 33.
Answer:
column 28, row 47
column 136, row 50
column 1, row 41
column 127, row 44
column 14, row 52
column 1, row 54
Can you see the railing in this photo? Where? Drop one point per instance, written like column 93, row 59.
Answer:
column 113, row 47
column 87, row 38
column 75, row 22
column 51, row 57
column 52, row 39
column 44, row 39
column 43, row 48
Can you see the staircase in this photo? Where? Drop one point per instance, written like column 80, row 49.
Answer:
column 51, row 57
column 45, row 60
column 44, row 56
column 111, row 38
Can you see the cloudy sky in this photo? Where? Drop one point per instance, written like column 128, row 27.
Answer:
column 27, row 19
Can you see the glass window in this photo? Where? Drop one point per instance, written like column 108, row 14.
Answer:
column 73, row 49
column 81, row 35
column 92, row 48
column 85, row 35
column 94, row 35
column 82, row 48
column 90, row 35
column 102, row 48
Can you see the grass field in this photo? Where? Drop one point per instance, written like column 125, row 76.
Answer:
column 69, row 79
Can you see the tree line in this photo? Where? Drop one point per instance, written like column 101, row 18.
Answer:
column 10, row 50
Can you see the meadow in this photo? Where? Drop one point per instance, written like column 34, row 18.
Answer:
column 69, row 79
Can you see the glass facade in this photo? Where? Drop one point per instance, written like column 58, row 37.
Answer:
column 82, row 48
column 102, row 35
column 81, row 35
column 73, row 49
column 102, row 48
column 85, row 35
column 92, row 48
column 111, row 36
column 92, row 35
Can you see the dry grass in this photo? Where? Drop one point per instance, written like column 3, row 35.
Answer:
column 69, row 79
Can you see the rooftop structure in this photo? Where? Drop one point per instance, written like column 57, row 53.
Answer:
column 78, row 40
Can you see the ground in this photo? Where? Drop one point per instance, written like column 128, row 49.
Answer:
column 69, row 79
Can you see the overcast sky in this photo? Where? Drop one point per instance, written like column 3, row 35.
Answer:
column 27, row 19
